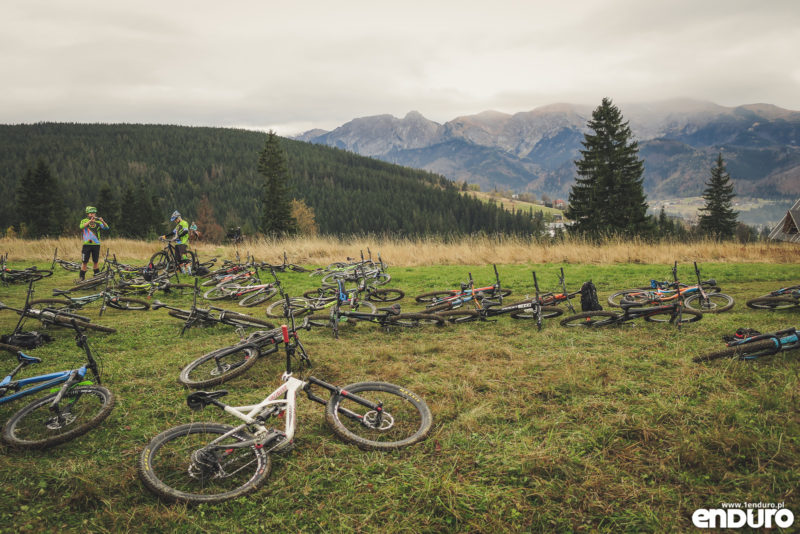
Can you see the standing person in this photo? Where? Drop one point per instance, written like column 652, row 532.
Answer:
column 179, row 234
column 91, row 227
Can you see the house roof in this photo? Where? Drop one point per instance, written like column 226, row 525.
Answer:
column 788, row 229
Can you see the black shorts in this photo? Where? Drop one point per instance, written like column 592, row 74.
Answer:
column 92, row 251
column 180, row 251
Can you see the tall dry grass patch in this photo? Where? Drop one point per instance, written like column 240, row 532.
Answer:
column 432, row 251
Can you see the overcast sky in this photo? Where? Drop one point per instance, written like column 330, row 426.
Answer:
column 292, row 66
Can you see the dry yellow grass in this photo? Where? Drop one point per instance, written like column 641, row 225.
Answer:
column 432, row 251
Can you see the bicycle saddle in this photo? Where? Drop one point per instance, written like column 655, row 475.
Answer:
column 201, row 399
column 625, row 304
column 393, row 309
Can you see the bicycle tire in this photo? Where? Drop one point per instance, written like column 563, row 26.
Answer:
column 257, row 297
column 590, row 319
column 547, row 312
column 42, row 273
column 434, row 295
column 220, row 292
column 380, row 279
column 160, row 261
column 413, row 320
column 218, row 366
column 752, row 350
column 615, row 299
column 714, row 302
column 301, row 306
column 33, row 427
column 66, row 321
column 246, row 321
column 174, row 477
column 386, row 295
column 58, row 304
column 666, row 316
column 773, row 303
column 127, row 303
column 88, row 284
column 459, row 316
column 411, row 418
column 324, row 294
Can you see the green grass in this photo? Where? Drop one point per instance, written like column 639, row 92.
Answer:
column 610, row 430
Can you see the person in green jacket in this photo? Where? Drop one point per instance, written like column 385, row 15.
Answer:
column 180, row 235
column 90, row 228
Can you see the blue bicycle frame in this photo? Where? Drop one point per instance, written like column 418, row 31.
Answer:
column 790, row 338
column 44, row 381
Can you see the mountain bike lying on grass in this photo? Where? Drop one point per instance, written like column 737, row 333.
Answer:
column 388, row 317
column 372, row 293
column 252, row 293
column 756, row 346
column 29, row 274
column 109, row 297
column 705, row 296
column 285, row 266
column 300, row 306
column 71, row 266
column 210, row 316
column 453, row 298
column 51, row 316
column 780, row 299
column 213, row 462
column 72, row 409
column 486, row 308
column 674, row 313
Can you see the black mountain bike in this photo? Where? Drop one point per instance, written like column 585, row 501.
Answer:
column 674, row 313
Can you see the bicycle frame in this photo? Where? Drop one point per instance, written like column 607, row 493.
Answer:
column 789, row 341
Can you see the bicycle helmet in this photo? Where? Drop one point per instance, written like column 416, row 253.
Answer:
column 91, row 209
column 175, row 215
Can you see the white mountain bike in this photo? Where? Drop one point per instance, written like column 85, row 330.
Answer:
column 212, row 462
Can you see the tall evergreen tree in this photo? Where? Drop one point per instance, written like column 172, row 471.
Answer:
column 39, row 202
column 276, row 209
column 107, row 206
column 719, row 220
column 608, row 197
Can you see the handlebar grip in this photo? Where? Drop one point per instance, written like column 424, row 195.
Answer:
column 285, row 332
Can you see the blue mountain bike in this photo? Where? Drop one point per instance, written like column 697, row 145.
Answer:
column 757, row 346
column 75, row 404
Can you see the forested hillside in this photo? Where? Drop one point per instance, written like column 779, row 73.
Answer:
column 138, row 174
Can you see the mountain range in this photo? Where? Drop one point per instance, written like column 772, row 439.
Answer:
column 534, row 151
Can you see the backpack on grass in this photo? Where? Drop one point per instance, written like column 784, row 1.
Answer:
column 26, row 340
column 589, row 300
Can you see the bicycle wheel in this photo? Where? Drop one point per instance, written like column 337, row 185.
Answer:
column 687, row 316
column 773, row 303
column 404, row 419
column 176, row 465
column 459, row 316
column 380, row 279
column 412, row 320
column 590, row 319
column 385, row 295
column 246, row 321
column 434, row 295
column 220, row 292
column 218, row 366
column 630, row 295
column 257, row 297
column 548, row 312
column 299, row 306
column 713, row 303
column 127, row 303
column 81, row 409
column 745, row 351
column 58, row 304
column 324, row 294
column 160, row 260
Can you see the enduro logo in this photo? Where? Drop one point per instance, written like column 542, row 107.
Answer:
column 737, row 515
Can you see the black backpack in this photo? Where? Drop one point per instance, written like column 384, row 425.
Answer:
column 589, row 300
column 26, row 340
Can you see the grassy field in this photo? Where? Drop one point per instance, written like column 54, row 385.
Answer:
column 554, row 431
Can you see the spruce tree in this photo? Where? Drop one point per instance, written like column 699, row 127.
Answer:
column 39, row 202
column 719, row 220
column 276, row 209
column 608, row 197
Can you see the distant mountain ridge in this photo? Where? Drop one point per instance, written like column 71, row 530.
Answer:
column 535, row 150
